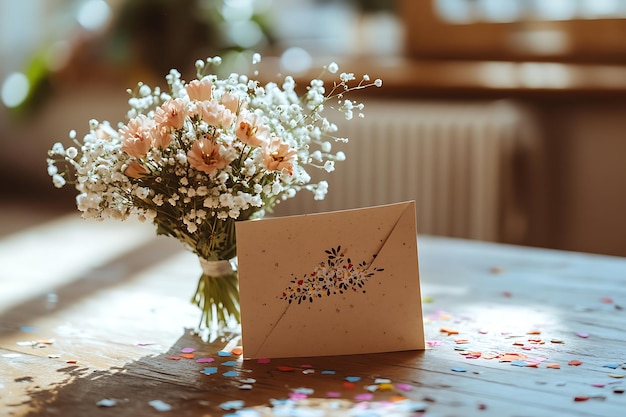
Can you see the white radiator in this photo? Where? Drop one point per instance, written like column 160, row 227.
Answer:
column 465, row 165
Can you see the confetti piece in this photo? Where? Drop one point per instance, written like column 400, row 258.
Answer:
column 610, row 365
column 205, row 360
column 27, row 329
column 496, row 270
column 582, row 335
column 461, row 341
column 574, row 362
column 371, row 388
column 616, row 376
column 188, row 350
column 449, row 331
column 230, row 374
column 534, row 332
column 507, row 294
column 618, row 390
column 458, row 369
column 245, row 387
column 404, row 387
column 308, row 371
column 353, row 378
column 52, row 356
column 557, row 341
column 333, row 394
column 581, row 398
column 284, row 368
column 364, row 397
column 385, row 387
column 106, row 403
column 428, row 299
column 210, row 370
column 553, row 366
column 598, row 385
column 229, row 363
column 173, row 358
column 349, row 385
column 223, row 353
column 237, row 351
column 482, row 406
column 160, row 405
column 188, row 355
column 263, row 360
column 434, row 342
column 71, row 361
column 232, row 405
column 328, row 372
column 11, row 355
column 519, row 363
column 382, row 381
column 307, row 391
column 297, row 396
column 607, row 300
column 248, row 381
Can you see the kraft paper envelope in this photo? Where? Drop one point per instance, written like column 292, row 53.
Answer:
column 337, row 283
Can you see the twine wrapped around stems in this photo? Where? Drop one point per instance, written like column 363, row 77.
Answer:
column 217, row 293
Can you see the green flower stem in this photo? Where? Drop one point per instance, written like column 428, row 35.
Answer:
column 218, row 299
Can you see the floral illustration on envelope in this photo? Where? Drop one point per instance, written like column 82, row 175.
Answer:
column 334, row 276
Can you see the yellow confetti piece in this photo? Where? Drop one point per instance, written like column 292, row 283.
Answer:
column 385, row 387
column 616, row 375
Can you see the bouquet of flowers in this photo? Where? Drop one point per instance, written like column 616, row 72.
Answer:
column 199, row 156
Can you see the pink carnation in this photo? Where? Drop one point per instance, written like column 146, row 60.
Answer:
column 137, row 136
column 278, row 156
column 205, row 156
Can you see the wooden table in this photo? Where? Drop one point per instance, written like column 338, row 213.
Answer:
column 100, row 311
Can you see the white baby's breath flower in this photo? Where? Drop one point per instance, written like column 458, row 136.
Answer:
column 333, row 68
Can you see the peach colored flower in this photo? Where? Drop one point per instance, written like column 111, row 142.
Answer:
column 137, row 136
column 161, row 137
column 231, row 102
column 216, row 114
column 251, row 130
column 278, row 156
column 171, row 114
column 199, row 90
column 205, row 156
column 135, row 170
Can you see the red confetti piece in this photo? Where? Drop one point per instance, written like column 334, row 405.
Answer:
column 534, row 332
column 71, row 361
column 553, row 366
column 349, row 385
column 284, row 368
column 482, row 406
column 264, row 360
column 607, row 300
column 574, row 362
column 581, row 398
column 507, row 294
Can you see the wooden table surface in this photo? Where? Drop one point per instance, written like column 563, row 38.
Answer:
column 100, row 311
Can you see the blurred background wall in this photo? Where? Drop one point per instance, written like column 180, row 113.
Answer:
column 505, row 119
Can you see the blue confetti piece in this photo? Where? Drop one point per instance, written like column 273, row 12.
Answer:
column 519, row 363
column 230, row 373
column 27, row 329
column 328, row 372
column 611, row 365
column 232, row 405
column 229, row 363
column 353, row 378
column 223, row 353
column 209, row 371
column 458, row 369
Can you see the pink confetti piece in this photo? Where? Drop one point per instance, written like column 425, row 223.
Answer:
column 582, row 335
column 205, row 360
column 434, row 343
column 333, row 394
column 404, row 387
column 297, row 396
column 263, row 360
column 364, row 397
column 598, row 385
column 188, row 350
